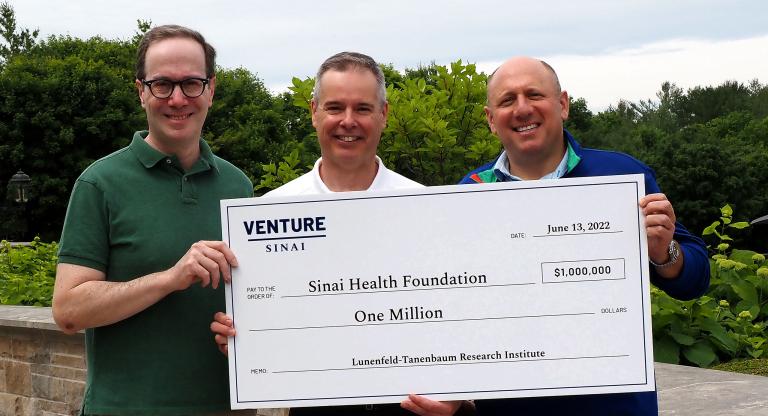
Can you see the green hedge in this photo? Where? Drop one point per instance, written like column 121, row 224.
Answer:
column 27, row 273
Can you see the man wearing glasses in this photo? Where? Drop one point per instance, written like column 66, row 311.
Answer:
column 139, row 266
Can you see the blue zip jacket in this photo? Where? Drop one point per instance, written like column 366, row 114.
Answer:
column 692, row 282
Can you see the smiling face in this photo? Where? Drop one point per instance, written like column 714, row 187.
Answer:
column 349, row 117
column 526, row 110
column 175, row 122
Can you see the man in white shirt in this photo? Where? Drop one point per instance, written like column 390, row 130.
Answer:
column 349, row 111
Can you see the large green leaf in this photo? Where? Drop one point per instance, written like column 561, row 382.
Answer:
column 743, row 256
column 719, row 334
column 682, row 339
column 666, row 350
column 701, row 354
column 746, row 291
column 711, row 229
column 752, row 308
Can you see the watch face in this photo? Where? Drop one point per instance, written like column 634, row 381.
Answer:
column 674, row 252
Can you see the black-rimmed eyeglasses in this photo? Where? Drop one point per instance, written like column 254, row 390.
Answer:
column 163, row 88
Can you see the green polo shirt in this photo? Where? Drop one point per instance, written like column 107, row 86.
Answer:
column 133, row 213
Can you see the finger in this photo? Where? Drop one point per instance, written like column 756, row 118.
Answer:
column 660, row 208
column 659, row 222
column 654, row 207
column 208, row 270
column 221, row 254
column 228, row 254
column 423, row 402
column 211, row 259
column 222, row 265
column 410, row 406
column 224, row 249
column 645, row 200
column 224, row 348
column 221, row 329
column 220, row 339
column 200, row 273
column 424, row 406
column 223, row 318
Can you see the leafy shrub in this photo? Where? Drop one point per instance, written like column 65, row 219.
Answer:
column 278, row 175
column 436, row 130
column 727, row 323
column 27, row 273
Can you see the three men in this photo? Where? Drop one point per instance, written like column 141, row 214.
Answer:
column 349, row 112
column 130, row 253
column 526, row 109
column 139, row 237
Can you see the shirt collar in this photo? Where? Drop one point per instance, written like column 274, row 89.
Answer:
column 149, row 156
column 501, row 167
column 324, row 188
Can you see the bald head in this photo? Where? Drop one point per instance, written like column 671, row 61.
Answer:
column 522, row 64
column 526, row 110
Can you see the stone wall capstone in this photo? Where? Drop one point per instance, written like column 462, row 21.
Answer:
column 42, row 371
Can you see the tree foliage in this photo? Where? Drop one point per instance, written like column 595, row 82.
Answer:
column 13, row 41
column 67, row 102
column 707, row 145
column 246, row 124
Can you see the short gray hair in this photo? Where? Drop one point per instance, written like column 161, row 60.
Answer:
column 343, row 61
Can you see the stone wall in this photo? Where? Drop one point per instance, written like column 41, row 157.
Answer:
column 42, row 371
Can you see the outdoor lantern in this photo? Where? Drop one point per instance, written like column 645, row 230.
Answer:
column 18, row 185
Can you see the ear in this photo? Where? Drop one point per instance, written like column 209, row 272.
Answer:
column 211, row 88
column 140, row 90
column 489, row 118
column 384, row 113
column 313, row 111
column 565, row 105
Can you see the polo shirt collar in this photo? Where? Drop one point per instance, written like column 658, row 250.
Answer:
column 149, row 156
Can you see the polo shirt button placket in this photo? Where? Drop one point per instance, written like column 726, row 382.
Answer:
column 188, row 193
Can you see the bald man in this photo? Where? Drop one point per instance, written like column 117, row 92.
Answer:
column 526, row 109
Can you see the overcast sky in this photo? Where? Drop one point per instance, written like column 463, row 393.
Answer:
column 603, row 50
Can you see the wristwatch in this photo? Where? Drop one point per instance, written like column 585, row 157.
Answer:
column 674, row 255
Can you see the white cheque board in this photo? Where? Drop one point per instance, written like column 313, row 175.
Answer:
column 534, row 288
